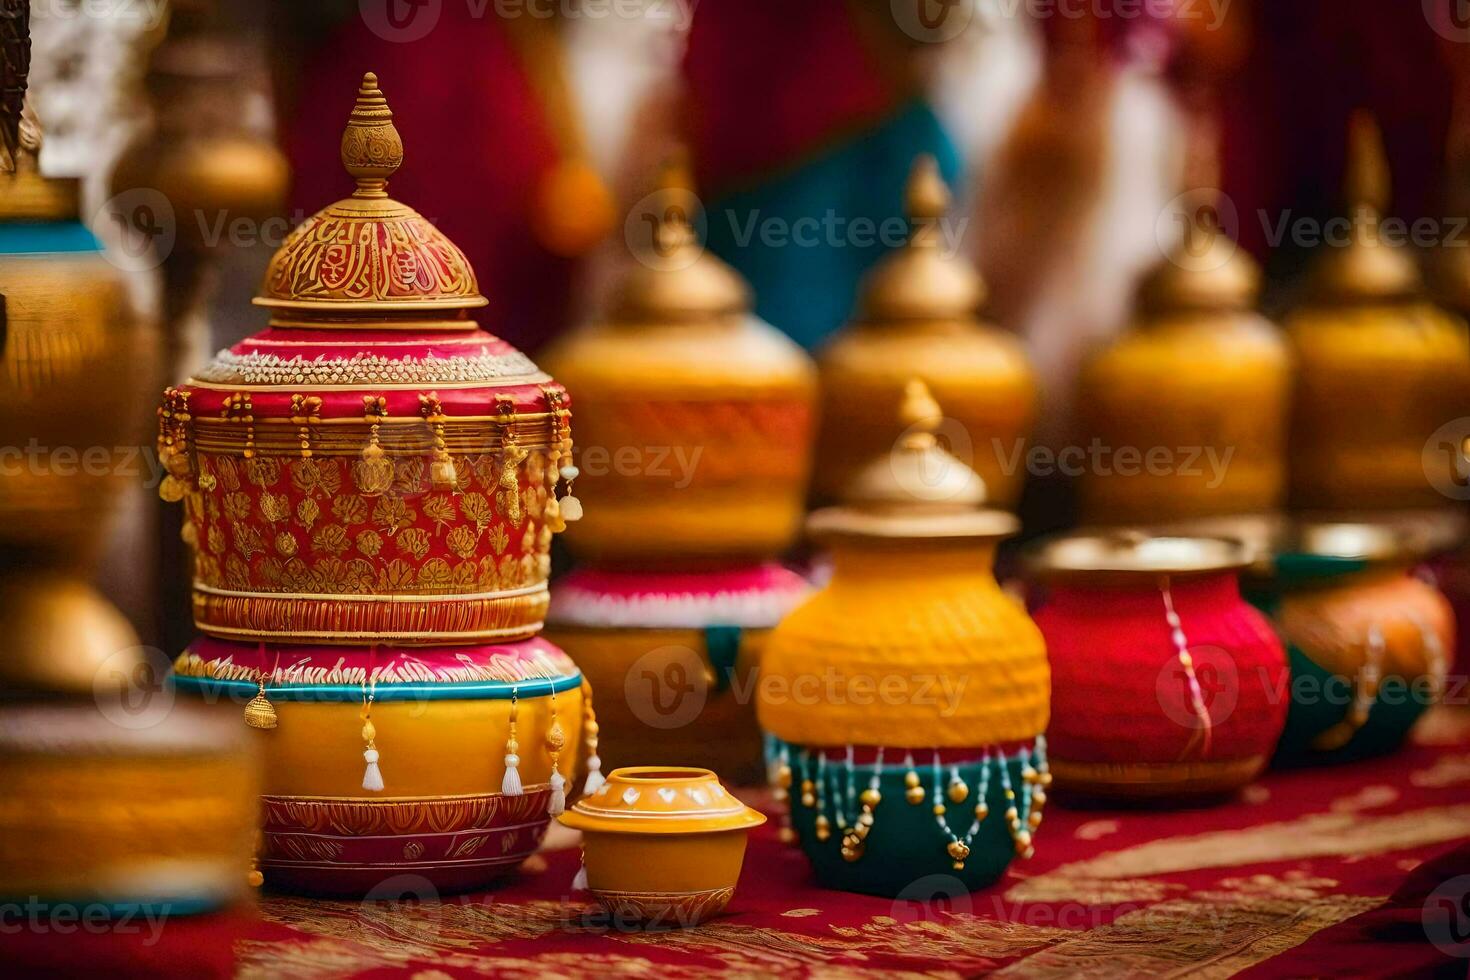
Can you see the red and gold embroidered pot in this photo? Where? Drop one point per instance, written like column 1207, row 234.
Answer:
column 675, row 659
column 662, row 845
column 695, row 418
column 1167, row 684
column 438, row 727
column 373, row 467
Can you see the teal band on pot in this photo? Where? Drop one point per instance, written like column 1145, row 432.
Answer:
column 722, row 646
column 35, row 237
column 243, row 690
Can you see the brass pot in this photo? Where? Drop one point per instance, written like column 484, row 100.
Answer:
column 918, row 318
column 1173, row 389
column 695, row 418
column 1380, row 368
column 74, row 365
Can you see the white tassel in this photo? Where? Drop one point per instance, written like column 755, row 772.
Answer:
column 595, row 779
column 511, row 784
column 558, row 803
column 571, row 509
column 372, row 778
column 579, row 883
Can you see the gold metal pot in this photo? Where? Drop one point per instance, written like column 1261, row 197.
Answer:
column 1199, row 389
column 695, row 418
column 1380, row 368
column 918, row 318
column 75, row 366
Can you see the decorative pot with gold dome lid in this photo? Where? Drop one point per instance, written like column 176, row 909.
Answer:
column 373, row 466
column 1368, row 329
column 695, row 417
column 918, row 317
column 1197, row 353
column 905, row 701
column 370, row 488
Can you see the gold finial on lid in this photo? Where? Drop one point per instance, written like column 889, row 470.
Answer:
column 1366, row 183
column 916, row 491
column 1207, row 271
column 926, row 196
column 920, row 414
column 918, row 474
column 1368, row 269
column 674, row 278
column 673, row 230
column 372, row 150
column 923, row 280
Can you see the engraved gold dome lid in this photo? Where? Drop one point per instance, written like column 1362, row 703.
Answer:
column 367, row 254
column 921, row 281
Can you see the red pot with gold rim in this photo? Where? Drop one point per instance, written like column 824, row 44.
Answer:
column 1166, row 683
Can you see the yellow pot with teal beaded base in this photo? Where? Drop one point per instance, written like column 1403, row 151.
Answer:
column 905, row 701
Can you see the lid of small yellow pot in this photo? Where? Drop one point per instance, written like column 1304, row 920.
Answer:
column 661, row 800
column 920, row 281
column 1127, row 555
column 916, row 491
column 1368, row 269
column 678, row 280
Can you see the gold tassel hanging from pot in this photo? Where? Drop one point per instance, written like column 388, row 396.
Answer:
column 510, row 783
column 556, row 740
column 259, row 712
column 372, row 776
column 590, row 729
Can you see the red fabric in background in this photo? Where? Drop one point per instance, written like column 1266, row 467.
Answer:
column 771, row 82
column 1292, row 878
column 475, row 146
column 1285, row 109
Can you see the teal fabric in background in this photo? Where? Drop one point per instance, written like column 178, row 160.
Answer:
column 31, row 238
column 808, row 291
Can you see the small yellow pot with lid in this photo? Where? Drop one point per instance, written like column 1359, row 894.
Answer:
column 662, row 845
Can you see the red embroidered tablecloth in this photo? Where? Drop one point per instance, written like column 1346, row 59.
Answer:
column 1309, row 873
column 1318, row 872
